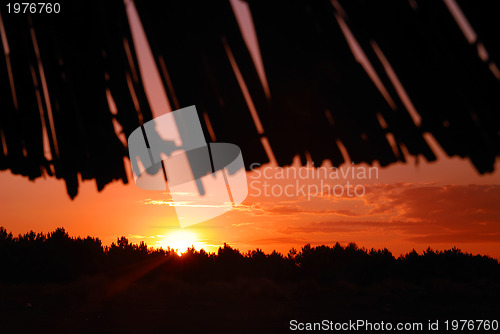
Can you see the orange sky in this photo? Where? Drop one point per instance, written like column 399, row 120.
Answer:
column 442, row 204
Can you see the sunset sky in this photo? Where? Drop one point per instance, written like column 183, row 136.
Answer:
column 412, row 205
column 441, row 205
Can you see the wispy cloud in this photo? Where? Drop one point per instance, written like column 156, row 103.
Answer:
column 420, row 213
column 187, row 204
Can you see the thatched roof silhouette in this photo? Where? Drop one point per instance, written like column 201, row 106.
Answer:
column 55, row 82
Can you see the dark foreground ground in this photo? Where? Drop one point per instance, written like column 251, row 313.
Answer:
column 155, row 305
column 58, row 284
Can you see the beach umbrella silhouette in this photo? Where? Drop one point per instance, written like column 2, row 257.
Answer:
column 356, row 80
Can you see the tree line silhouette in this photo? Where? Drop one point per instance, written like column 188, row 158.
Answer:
column 57, row 257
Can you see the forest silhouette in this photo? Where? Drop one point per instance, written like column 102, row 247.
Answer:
column 57, row 257
column 55, row 283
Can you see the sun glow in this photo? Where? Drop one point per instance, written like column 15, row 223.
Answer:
column 180, row 241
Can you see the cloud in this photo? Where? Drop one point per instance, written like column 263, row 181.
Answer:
column 276, row 240
column 242, row 224
column 456, row 208
column 456, row 237
column 347, row 226
column 187, row 204
column 270, row 209
column 420, row 214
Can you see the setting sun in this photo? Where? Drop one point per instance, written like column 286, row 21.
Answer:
column 180, row 241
